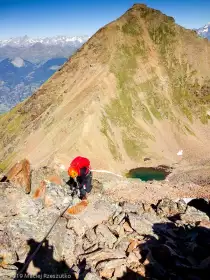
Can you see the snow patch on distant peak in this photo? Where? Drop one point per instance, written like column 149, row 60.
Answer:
column 56, row 40
column 54, row 67
column 18, row 62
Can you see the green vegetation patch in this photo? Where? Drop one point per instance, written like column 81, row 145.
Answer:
column 106, row 130
column 6, row 162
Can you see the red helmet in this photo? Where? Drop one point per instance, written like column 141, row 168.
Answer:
column 72, row 172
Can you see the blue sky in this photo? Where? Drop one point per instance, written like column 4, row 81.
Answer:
column 84, row 17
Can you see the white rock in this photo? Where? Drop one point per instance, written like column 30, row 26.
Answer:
column 180, row 153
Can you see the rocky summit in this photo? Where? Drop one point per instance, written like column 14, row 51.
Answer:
column 107, row 238
column 138, row 88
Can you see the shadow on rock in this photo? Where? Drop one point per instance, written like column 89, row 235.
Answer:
column 43, row 264
column 201, row 204
column 179, row 252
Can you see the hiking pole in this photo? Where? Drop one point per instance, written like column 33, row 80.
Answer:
column 40, row 244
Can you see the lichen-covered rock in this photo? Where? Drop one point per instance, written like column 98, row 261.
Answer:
column 167, row 207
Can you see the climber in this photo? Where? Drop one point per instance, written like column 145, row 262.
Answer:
column 80, row 175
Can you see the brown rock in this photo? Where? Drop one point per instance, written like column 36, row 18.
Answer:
column 106, row 273
column 105, row 235
column 133, row 245
column 133, row 260
column 103, row 254
column 127, row 227
column 141, row 271
column 167, row 207
column 137, row 253
column 205, row 224
column 40, row 191
column 110, row 264
column 56, row 180
column 20, row 175
column 120, row 271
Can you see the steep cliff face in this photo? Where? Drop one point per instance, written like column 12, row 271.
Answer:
column 139, row 87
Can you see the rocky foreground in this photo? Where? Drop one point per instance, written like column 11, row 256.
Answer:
column 107, row 239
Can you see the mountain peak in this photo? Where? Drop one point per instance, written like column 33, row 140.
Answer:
column 18, row 62
column 138, row 88
column 204, row 31
column 56, row 40
column 139, row 6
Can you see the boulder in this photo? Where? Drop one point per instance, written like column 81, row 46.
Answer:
column 192, row 215
column 20, row 175
column 132, row 260
column 96, row 212
column 205, row 224
column 122, row 244
column 77, row 226
column 42, row 174
column 105, row 235
column 68, row 244
column 143, row 224
column 110, row 264
column 133, row 244
column 182, row 206
column 106, row 268
column 102, row 255
column 132, row 208
column 167, row 207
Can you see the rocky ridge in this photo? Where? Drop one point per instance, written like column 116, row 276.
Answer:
column 108, row 239
column 138, row 88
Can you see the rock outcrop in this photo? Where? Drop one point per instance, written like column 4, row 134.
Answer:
column 20, row 175
column 107, row 240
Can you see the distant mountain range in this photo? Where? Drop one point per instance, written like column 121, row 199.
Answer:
column 26, row 63
column 19, row 78
column 38, row 49
column 204, row 31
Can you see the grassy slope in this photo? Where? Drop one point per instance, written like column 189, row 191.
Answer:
column 188, row 96
column 162, row 73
